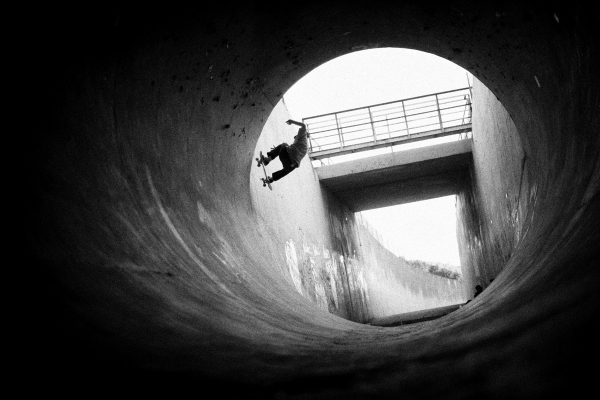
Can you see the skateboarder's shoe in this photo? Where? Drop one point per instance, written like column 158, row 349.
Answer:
column 265, row 160
column 270, row 179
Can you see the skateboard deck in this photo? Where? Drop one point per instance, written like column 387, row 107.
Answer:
column 264, row 180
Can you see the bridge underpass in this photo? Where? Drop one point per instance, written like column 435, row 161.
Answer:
column 400, row 176
column 146, row 266
column 391, row 178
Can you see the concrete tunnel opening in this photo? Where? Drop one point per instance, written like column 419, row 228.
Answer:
column 427, row 101
column 149, row 265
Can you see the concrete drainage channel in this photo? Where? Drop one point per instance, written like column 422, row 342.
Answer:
column 415, row 316
column 149, row 266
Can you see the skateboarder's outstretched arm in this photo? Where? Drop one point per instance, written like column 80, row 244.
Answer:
column 302, row 125
column 291, row 121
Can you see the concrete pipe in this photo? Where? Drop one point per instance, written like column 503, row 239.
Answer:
column 148, row 267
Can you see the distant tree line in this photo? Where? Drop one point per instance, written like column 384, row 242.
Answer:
column 433, row 268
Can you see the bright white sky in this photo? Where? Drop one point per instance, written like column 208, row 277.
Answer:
column 369, row 77
column 422, row 230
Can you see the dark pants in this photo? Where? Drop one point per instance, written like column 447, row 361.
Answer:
column 288, row 165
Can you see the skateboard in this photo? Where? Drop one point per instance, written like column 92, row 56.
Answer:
column 264, row 180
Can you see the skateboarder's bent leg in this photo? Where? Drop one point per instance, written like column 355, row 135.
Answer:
column 288, row 164
column 275, row 152
column 281, row 173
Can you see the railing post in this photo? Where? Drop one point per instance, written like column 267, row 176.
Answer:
column 405, row 119
column 310, row 146
column 439, row 112
column 337, row 124
column 470, row 108
column 372, row 126
column 387, row 124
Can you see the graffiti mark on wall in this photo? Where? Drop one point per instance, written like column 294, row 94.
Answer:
column 332, row 279
column 358, row 284
column 319, row 274
column 325, row 253
column 320, row 295
column 204, row 216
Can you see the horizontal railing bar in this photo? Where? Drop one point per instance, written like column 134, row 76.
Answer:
column 407, row 115
column 461, row 103
column 336, row 148
column 399, row 129
column 357, row 117
column 429, row 103
column 391, row 132
column 411, row 105
column 390, row 142
column 389, row 119
column 389, row 102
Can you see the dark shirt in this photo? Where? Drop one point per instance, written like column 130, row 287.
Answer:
column 299, row 148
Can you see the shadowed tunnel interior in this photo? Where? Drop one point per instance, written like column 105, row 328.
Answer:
column 147, row 263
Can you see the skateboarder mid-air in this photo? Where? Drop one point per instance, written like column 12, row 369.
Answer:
column 289, row 155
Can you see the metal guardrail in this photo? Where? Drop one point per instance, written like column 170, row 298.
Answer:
column 391, row 123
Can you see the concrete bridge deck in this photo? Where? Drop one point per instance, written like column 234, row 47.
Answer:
column 399, row 177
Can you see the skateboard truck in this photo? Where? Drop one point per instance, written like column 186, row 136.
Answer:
column 265, row 183
column 265, row 180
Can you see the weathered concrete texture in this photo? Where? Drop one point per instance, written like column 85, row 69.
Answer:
column 468, row 237
column 332, row 256
column 492, row 208
column 399, row 177
column 146, row 264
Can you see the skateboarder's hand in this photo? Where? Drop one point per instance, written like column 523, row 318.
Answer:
column 289, row 122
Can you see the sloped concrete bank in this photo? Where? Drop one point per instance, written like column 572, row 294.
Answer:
column 147, row 264
column 492, row 206
column 315, row 232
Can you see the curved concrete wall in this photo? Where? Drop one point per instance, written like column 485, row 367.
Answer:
column 310, row 227
column 493, row 206
column 147, row 260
